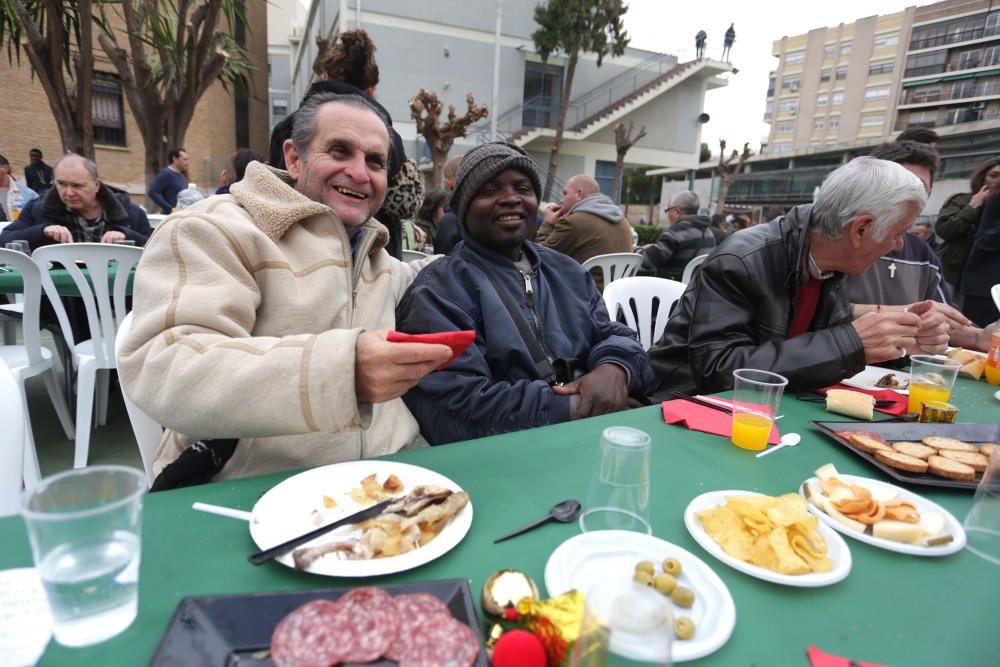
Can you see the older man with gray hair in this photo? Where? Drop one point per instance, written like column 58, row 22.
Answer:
column 771, row 297
column 688, row 236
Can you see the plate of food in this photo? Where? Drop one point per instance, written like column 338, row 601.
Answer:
column 435, row 621
column 948, row 455
column 583, row 560
column 882, row 514
column 874, row 378
column 776, row 539
column 430, row 517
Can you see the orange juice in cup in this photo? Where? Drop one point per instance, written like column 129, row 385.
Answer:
column 993, row 360
column 921, row 392
column 931, row 379
column 756, row 396
column 750, row 430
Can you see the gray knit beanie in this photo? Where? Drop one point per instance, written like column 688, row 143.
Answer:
column 482, row 164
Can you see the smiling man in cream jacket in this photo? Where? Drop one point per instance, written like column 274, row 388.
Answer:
column 261, row 316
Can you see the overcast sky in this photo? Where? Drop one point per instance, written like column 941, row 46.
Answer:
column 737, row 110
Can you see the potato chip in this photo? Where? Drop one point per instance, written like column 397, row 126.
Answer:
column 788, row 510
column 788, row 561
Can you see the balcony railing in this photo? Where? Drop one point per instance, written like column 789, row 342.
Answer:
column 953, row 37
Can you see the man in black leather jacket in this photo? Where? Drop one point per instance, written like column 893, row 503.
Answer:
column 771, row 297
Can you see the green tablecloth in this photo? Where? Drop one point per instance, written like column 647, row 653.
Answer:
column 12, row 282
column 893, row 609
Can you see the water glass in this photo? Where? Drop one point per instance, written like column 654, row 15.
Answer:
column 982, row 525
column 619, row 492
column 625, row 618
column 931, row 379
column 756, row 397
column 84, row 526
column 19, row 246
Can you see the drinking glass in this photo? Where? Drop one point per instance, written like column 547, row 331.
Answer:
column 982, row 524
column 619, row 492
column 993, row 360
column 19, row 246
column 931, row 379
column 756, row 397
column 84, row 526
column 627, row 619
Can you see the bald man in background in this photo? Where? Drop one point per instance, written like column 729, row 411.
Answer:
column 585, row 224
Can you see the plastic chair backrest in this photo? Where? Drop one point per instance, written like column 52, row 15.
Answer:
column 11, row 441
column 411, row 255
column 636, row 298
column 32, row 292
column 691, row 266
column 615, row 265
column 148, row 432
column 102, row 317
column 996, row 295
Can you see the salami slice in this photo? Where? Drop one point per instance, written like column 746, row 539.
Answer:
column 314, row 635
column 441, row 642
column 413, row 610
column 373, row 620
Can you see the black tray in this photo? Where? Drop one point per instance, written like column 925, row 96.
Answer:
column 235, row 630
column 914, row 432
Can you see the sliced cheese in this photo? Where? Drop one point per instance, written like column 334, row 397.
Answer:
column 931, row 524
column 850, row 403
column 898, row 531
column 840, row 494
column 826, row 471
column 879, row 492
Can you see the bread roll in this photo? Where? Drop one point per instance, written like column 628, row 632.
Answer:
column 851, row 403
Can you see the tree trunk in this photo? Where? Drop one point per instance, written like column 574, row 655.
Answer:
column 437, row 176
column 616, row 186
column 652, row 196
column 628, row 194
column 550, row 178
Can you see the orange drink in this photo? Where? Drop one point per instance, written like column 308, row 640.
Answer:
column 750, row 431
column 993, row 360
column 924, row 391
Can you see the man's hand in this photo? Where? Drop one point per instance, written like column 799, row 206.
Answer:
column 935, row 326
column 981, row 197
column 955, row 320
column 58, row 233
column 887, row 336
column 419, row 238
column 601, row 391
column 384, row 370
column 112, row 237
column 553, row 213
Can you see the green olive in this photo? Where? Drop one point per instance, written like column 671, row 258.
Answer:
column 672, row 566
column 684, row 627
column 646, row 566
column 644, row 578
column 683, row 596
column 665, row 583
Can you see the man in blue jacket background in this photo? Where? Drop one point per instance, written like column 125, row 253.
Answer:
column 583, row 364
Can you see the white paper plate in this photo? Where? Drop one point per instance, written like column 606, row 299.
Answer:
column 997, row 395
column 838, row 551
column 867, row 378
column 582, row 561
column 287, row 510
column 924, row 506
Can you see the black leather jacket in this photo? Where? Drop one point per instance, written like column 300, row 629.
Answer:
column 687, row 238
column 737, row 311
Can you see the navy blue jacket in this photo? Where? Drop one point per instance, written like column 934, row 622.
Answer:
column 165, row 187
column 493, row 386
column 123, row 216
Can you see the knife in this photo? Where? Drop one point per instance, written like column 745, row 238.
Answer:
column 263, row 556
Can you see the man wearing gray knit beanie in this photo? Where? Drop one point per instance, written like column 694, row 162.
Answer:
column 545, row 350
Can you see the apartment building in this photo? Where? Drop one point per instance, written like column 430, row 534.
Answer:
column 449, row 49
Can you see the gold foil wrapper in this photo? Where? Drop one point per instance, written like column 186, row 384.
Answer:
column 506, row 588
column 564, row 612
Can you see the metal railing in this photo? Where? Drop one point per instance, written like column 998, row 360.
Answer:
column 953, row 37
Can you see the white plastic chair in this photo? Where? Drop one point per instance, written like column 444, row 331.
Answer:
column 148, row 432
column 615, row 265
column 31, row 359
column 635, row 298
column 413, row 255
column 12, row 416
column 98, row 353
column 995, row 291
column 691, row 266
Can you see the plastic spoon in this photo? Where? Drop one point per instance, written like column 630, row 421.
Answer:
column 564, row 512
column 787, row 440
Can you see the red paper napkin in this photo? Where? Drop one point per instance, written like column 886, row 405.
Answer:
column 699, row 418
column 818, row 658
column 897, row 408
column 456, row 340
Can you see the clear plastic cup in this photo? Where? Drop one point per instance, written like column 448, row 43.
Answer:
column 982, row 524
column 931, row 379
column 756, row 397
column 625, row 618
column 619, row 492
column 84, row 526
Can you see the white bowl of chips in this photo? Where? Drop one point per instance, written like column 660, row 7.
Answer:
column 776, row 538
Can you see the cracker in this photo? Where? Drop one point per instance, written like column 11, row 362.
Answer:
column 867, row 443
column 949, row 443
column 944, row 467
column 914, row 449
column 901, row 461
column 974, row 460
column 987, row 448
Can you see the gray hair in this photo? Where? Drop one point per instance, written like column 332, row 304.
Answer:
column 304, row 124
column 867, row 186
column 88, row 164
column 686, row 201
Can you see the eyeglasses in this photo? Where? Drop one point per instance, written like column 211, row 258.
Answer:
column 672, row 208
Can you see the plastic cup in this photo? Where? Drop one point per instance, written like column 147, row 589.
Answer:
column 756, row 397
column 619, row 492
column 982, row 524
column 931, row 379
column 125, row 242
column 627, row 619
column 84, row 526
column 19, row 246
column 993, row 360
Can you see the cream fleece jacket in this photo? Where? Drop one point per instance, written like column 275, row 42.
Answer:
column 247, row 308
